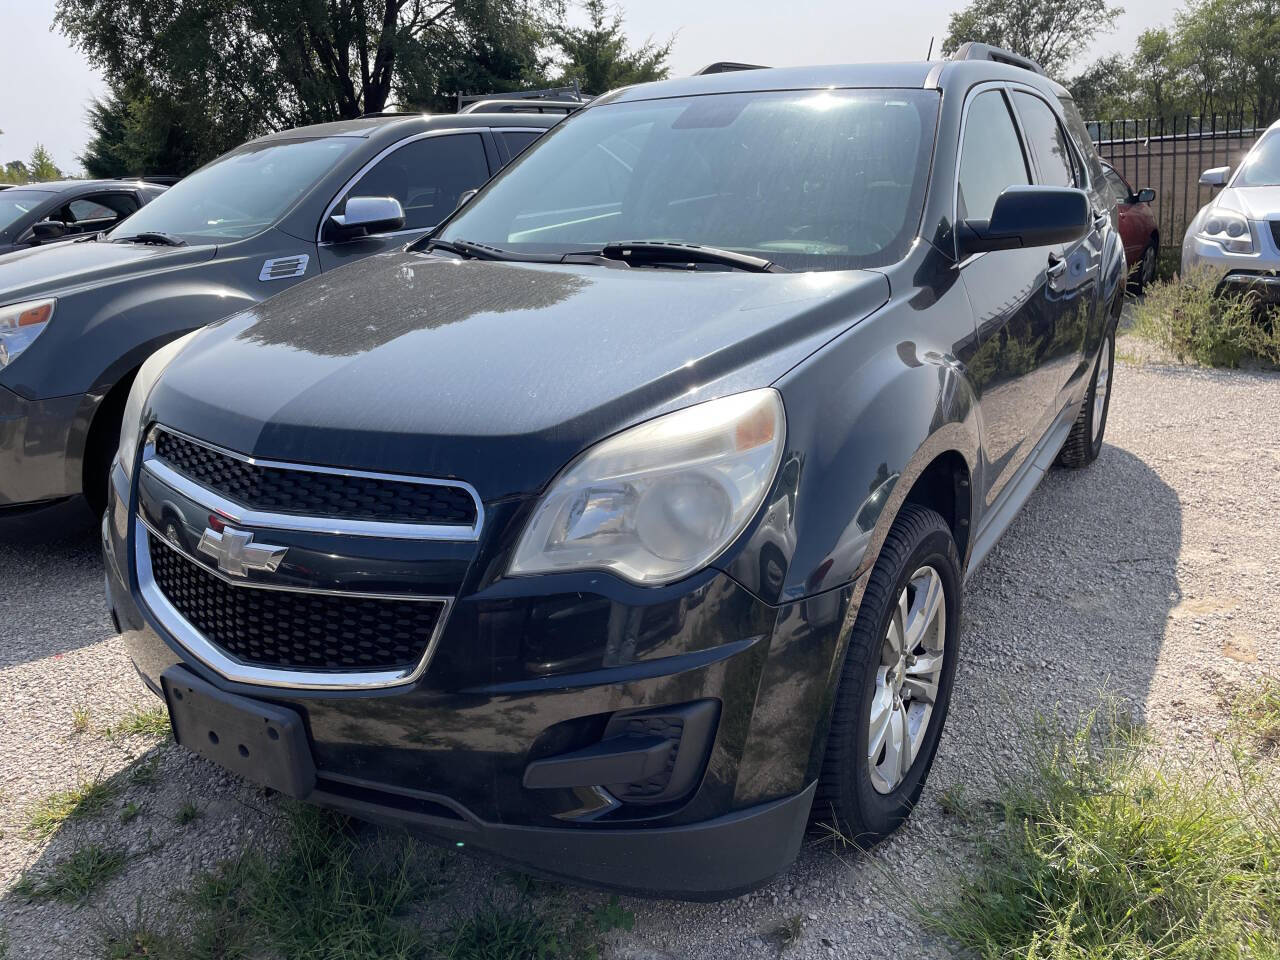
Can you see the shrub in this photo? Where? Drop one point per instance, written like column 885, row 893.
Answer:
column 1188, row 318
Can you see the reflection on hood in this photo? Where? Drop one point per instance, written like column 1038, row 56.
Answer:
column 382, row 302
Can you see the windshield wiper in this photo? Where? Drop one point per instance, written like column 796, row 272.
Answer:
column 685, row 255
column 473, row 250
column 153, row 237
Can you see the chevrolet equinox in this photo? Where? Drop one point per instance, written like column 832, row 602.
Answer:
column 618, row 526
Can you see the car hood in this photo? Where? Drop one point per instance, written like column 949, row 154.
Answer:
column 430, row 366
column 1256, row 203
column 66, row 267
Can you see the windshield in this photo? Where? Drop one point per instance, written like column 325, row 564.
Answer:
column 1261, row 168
column 239, row 194
column 811, row 180
column 16, row 204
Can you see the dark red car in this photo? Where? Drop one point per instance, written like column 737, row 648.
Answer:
column 1138, row 228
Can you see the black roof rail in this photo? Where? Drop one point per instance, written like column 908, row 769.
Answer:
column 727, row 66
column 985, row 51
column 526, row 105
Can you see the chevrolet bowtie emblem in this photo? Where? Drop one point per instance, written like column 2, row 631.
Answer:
column 237, row 554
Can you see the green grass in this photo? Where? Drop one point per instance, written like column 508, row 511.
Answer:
column 86, row 800
column 1106, row 853
column 1186, row 318
column 146, row 773
column 188, row 814
column 129, row 811
column 549, row 931
column 318, row 900
column 141, row 723
column 1256, row 715
column 72, row 880
column 128, row 937
column 79, row 719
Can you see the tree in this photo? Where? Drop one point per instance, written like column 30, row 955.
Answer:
column 41, row 165
column 1156, row 71
column 598, row 56
column 213, row 73
column 1050, row 32
column 1104, row 88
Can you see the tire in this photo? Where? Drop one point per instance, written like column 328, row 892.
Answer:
column 1084, row 443
column 851, row 793
column 1146, row 270
column 100, row 448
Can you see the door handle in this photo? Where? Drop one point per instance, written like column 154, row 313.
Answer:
column 1057, row 266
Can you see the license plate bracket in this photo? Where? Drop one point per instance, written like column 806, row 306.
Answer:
column 259, row 741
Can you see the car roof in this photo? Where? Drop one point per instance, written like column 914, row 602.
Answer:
column 924, row 74
column 66, row 186
column 397, row 124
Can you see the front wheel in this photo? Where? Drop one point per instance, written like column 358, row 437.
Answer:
column 1146, row 270
column 896, row 682
column 1084, row 443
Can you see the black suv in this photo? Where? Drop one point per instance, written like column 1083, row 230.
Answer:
column 619, row 526
column 39, row 214
column 78, row 319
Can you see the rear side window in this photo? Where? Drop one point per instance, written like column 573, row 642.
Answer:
column 109, row 207
column 427, row 176
column 990, row 156
column 1080, row 134
column 517, row 140
column 1118, row 188
column 1048, row 141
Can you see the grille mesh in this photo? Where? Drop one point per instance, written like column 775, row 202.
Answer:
column 304, row 492
column 1275, row 231
column 302, row 631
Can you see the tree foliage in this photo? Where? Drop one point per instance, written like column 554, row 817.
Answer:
column 1050, row 32
column 41, row 166
column 1219, row 57
column 192, row 79
column 598, row 55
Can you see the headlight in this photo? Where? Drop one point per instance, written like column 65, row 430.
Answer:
column 661, row 500
column 1228, row 229
column 135, row 406
column 20, row 324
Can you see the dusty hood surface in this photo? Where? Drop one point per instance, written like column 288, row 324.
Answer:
column 67, row 267
column 431, row 366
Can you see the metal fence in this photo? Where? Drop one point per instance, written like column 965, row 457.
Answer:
column 1170, row 155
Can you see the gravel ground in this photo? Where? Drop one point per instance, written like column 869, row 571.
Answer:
column 1149, row 575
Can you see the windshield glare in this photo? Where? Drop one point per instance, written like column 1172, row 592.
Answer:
column 240, row 194
column 1262, row 167
column 812, row 180
column 16, row 204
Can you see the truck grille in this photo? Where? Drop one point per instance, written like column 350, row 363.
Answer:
column 1275, row 231
column 302, row 492
column 292, row 630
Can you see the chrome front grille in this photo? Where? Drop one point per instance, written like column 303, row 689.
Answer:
column 319, row 493
column 292, row 630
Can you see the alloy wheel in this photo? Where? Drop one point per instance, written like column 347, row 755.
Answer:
column 907, row 679
column 1148, row 266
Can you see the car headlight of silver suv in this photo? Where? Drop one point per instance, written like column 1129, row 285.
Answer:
column 660, row 500
column 136, row 405
column 1228, row 229
column 20, row 324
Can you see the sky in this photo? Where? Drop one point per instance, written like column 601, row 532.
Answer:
column 46, row 84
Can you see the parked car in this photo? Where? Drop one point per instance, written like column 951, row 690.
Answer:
column 77, row 320
column 1139, row 231
column 39, row 214
column 1236, row 235
column 619, row 526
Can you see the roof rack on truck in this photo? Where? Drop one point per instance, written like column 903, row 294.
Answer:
column 985, row 51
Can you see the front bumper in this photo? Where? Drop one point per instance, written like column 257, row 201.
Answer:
column 41, row 448
column 1257, row 272
column 450, row 754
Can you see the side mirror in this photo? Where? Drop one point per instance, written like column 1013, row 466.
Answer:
column 1215, row 177
column 1027, row 216
column 466, row 195
column 48, row 230
column 365, row 215
column 1145, row 195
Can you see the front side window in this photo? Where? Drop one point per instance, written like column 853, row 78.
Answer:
column 1261, row 168
column 811, row 180
column 1048, row 141
column 990, row 157
column 16, row 204
column 89, row 214
column 427, row 176
column 1118, row 188
column 241, row 193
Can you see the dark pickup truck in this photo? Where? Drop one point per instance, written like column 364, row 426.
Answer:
column 619, row 526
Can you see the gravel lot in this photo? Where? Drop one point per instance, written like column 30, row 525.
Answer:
column 1149, row 575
